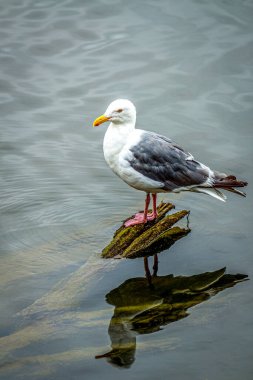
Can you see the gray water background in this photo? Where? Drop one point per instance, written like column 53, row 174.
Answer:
column 188, row 67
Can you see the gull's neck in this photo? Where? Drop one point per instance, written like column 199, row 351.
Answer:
column 116, row 134
column 115, row 138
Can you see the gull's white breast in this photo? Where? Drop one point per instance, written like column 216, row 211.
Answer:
column 117, row 152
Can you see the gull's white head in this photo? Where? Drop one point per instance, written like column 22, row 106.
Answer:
column 120, row 111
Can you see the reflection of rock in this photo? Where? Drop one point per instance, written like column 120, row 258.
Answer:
column 141, row 308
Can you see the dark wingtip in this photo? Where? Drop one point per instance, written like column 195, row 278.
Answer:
column 229, row 182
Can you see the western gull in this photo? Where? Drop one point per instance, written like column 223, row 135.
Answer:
column 153, row 163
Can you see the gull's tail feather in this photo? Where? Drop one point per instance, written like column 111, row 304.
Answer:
column 222, row 182
column 211, row 191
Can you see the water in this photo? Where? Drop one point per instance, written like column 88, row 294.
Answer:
column 187, row 66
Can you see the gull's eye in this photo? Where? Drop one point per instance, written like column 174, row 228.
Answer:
column 119, row 110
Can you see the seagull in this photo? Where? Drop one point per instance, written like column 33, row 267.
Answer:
column 153, row 163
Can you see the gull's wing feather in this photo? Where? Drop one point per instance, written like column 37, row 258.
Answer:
column 159, row 159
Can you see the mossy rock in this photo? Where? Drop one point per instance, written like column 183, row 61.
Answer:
column 147, row 239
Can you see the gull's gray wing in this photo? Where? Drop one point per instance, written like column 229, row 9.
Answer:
column 158, row 158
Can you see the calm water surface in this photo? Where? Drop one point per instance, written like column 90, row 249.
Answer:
column 187, row 65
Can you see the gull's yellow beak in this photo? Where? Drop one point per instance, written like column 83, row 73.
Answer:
column 101, row 119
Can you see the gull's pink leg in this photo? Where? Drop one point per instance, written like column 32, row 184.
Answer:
column 140, row 217
column 153, row 215
column 143, row 217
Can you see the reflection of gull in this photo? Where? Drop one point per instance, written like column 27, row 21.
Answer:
column 153, row 163
column 141, row 309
